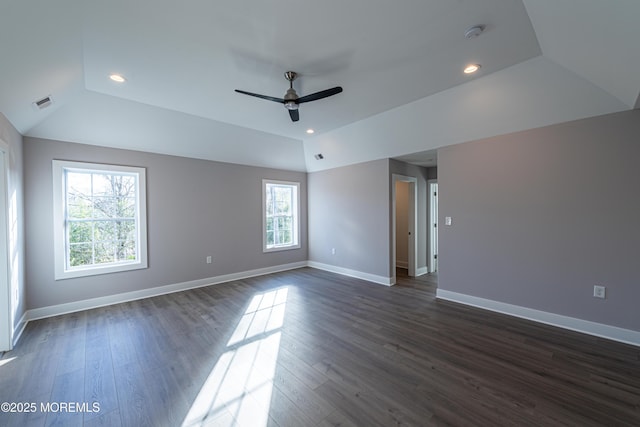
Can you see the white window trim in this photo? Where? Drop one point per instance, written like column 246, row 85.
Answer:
column 296, row 219
column 61, row 272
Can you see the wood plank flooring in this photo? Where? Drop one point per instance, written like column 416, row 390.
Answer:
column 311, row 348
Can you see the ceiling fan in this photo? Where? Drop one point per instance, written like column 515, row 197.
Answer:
column 291, row 100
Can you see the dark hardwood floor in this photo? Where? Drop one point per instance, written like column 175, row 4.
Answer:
column 311, row 348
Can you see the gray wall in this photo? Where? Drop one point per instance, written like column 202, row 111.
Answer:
column 432, row 173
column 349, row 210
column 16, row 228
column 195, row 208
column 541, row 216
column 422, row 176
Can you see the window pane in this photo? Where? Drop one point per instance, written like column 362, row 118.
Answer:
column 127, row 184
column 125, row 230
column 126, row 251
column 103, row 230
column 126, row 207
column 80, row 255
column 102, row 185
column 79, row 183
column 283, row 208
column 104, row 207
column 80, row 232
column 105, row 252
column 78, row 206
column 269, row 200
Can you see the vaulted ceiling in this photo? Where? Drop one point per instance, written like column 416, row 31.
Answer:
column 400, row 64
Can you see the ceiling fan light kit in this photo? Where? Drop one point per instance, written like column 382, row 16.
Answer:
column 291, row 100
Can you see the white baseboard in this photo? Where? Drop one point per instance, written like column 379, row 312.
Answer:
column 421, row 271
column 71, row 307
column 381, row 280
column 614, row 333
column 402, row 264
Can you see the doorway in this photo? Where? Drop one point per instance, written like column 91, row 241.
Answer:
column 6, row 312
column 404, row 224
column 433, row 222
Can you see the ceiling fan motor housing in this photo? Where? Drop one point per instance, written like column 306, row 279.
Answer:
column 290, row 99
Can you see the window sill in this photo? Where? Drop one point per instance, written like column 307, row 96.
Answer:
column 280, row 248
column 95, row 271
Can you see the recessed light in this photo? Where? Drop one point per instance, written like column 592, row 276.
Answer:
column 118, row 78
column 310, row 131
column 471, row 68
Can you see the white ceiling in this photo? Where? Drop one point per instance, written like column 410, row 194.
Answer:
column 400, row 65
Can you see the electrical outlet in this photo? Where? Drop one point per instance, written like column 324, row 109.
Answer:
column 209, row 259
column 333, row 251
column 599, row 291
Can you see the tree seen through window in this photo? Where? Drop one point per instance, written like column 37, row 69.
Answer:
column 101, row 218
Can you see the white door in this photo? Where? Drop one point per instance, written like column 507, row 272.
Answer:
column 433, row 220
column 411, row 221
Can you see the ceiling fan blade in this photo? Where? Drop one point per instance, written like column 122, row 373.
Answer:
column 257, row 95
column 319, row 95
column 295, row 116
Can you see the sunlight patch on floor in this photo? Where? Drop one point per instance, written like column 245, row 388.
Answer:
column 238, row 389
column 6, row 361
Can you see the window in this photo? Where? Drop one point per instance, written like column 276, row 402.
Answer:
column 281, row 212
column 99, row 219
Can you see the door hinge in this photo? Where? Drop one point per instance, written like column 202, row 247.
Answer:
column 435, row 225
column 435, row 256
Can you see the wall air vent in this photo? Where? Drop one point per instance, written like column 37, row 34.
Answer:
column 43, row 103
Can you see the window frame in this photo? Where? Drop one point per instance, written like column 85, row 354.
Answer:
column 295, row 216
column 62, row 271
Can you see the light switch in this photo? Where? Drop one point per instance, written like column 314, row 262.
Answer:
column 447, row 220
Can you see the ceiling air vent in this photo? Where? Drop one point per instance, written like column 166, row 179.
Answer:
column 43, row 103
